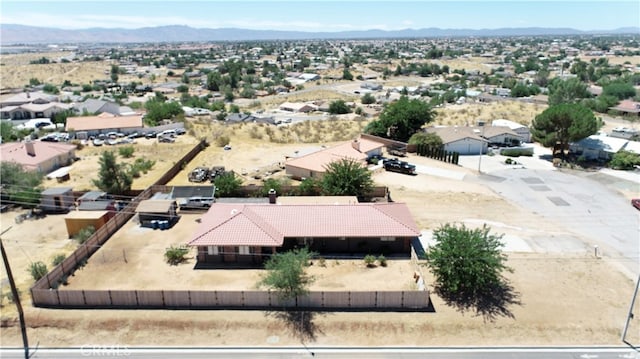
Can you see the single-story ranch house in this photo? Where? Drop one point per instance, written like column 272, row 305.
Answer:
column 249, row 233
column 104, row 123
column 313, row 165
column 40, row 156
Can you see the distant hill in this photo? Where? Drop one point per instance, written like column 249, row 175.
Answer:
column 21, row 34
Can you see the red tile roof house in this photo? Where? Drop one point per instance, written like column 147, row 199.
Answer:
column 314, row 164
column 249, row 233
column 43, row 157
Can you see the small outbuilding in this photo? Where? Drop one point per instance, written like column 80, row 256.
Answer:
column 57, row 200
column 78, row 220
column 157, row 213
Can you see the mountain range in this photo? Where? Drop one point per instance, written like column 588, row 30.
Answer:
column 21, row 34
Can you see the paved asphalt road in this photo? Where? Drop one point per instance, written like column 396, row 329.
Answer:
column 302, row 352
column 598, row 215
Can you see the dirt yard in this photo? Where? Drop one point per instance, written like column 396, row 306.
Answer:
column 566, row 299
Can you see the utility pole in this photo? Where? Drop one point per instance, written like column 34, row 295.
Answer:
column 16, row 298
column 630, row 315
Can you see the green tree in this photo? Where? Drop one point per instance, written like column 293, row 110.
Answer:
column 7, row 132
column 368, row 99
column 401, row 119
column 564, row 123
column 338, row 107
column 22, row 186
column 347, row 75
column 158, row 110
column 467, row 265
column 115, row 70
column 113, row 177
column 286, row 273
column 620, row 90
column 346, row 177
column 424, row 138
column 227, row 184
column 567, row 91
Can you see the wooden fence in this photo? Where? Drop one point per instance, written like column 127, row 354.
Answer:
column 178, row 166
column 242, row 300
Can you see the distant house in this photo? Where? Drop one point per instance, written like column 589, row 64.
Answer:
column 463, row 140
column 597, row 147
column 30, row 105
column 628, row 107
column 94, row 106
column 521, row 130
column 371, row 86
column 249, row 233
column 499, row 135
column 313, row 165
column 43, row 157
column 57, row 200
column 309, row 77
column 297, row 107
column 104, row 123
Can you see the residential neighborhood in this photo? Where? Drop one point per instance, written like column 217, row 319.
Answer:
column 179, row 182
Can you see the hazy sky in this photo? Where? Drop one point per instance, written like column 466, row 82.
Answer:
column 327, row 15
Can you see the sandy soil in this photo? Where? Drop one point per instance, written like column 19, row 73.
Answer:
column 565, row 298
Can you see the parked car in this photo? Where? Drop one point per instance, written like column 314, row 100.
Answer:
column 151, row 134
column 196, row 202
column 636, row 203
column 199, row 174
column 180, row 131
column 166, row 139
column 396, row 165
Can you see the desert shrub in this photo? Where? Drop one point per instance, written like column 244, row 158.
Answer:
column 37, row 270
column 370, row 261
column 322, row 262
column 508, row 161
column 141, row 165
column 625, row 160
column 222, row 141
column 176, row 254
column 126, row 151
column 84, row 234
column 78, row 144
column 58, row 259
column 516, row 152
column 382, row 260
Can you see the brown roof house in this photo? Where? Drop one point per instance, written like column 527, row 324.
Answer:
column 43, row 157
column 249, row 233
column 628, row 107
column 105, row 122
column 313, row 165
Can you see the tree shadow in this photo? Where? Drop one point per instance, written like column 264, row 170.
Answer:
column 490, row 302
column 299, row 322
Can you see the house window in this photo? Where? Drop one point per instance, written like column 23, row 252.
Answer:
column 387, row 239
column 212, row 250
column 244, row 250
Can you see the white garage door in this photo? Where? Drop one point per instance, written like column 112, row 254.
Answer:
column 465, row 147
